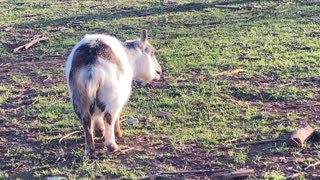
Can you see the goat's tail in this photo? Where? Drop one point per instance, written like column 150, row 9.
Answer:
column 92, row 84
column 84, row 92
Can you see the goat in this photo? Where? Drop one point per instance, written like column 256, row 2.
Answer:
column 99, row 71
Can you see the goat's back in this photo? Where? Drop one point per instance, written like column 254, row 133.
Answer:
column 98, row 72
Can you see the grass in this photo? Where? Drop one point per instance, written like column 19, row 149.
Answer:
column 277, row 48
column 5, row 93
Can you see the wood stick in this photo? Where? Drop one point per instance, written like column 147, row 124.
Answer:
column 230, row 72
column 192, row 171
column 301, row 135
column 218, row 173
column 126, row 150
column 312, row 165
column 260, row 142
column 237, row 174
column 33, row 42
column 182, row 172
column 228, row 7
column 70, row 134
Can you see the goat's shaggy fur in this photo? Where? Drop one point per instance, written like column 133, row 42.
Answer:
column 99, row 72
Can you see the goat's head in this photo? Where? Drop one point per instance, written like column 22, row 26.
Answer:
column 146, row 66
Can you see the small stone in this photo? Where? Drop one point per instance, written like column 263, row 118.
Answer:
column 56, row 178
column 133, row 121
column 162, row 115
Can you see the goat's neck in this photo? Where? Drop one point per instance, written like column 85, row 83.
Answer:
column 131, row 61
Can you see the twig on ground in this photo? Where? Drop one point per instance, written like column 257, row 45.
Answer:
column 312, row 165
column 63, row 2
column 126, row 150
column 228, row 7
column 295, row 175
column 21, row 107
column 182, row 172
column 233, row 140
column 230, row 72
column 260, row 142
column 215, row 173
column 284, row 85
column 33, row 42
column 48, row 78
column 4, row 64
column 70, row 134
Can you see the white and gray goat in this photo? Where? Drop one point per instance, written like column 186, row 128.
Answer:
column 99, row 72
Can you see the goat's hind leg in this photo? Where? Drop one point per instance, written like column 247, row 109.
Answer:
column 89, row 136
column 110, row 141
column 84, row 115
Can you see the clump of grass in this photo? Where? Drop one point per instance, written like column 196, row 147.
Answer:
column 5, row 93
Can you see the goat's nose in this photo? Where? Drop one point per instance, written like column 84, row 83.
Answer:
column 159, row 69
column 159, row 72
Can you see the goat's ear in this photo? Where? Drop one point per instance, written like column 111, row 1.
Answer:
column 143, row 38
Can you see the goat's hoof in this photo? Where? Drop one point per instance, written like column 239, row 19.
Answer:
column 112, row 147
column 89, row 153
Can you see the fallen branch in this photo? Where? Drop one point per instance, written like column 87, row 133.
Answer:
column 223, row 173
column 312, row 165
column 301, row 135
column 70, row 134
column 261, row 142
column 33, row 42
column 236, row 174
column 181, row 172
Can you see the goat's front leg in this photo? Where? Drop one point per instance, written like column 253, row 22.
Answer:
column 88, row 134
column 109, row 137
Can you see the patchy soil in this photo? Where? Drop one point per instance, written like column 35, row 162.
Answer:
column 277, row 103
column 190, row 156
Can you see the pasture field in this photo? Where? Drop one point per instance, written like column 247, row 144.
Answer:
column 231, row 77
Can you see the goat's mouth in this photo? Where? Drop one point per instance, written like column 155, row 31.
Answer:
column 157, row 76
